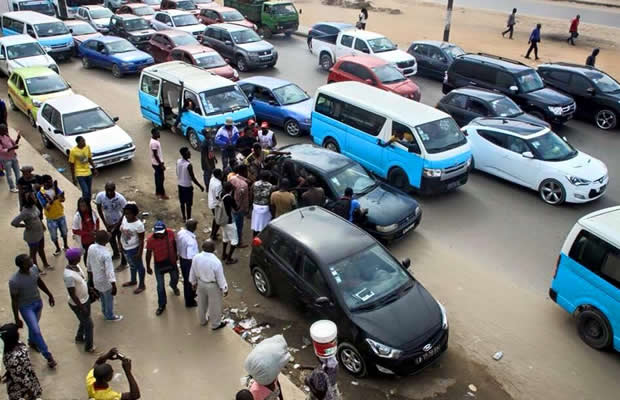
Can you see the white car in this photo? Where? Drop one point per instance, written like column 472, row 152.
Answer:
column 97, row 16
column 61, row 120
column 17, row 51
column 535, row 157
column 177, row 19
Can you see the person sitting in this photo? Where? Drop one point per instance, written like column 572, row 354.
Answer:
column 403, row 137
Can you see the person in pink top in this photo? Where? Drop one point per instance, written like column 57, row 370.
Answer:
column 269, row 392
column 8, row 156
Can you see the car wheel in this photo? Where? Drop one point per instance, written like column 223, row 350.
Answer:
column 552, row 192
column 472, row 166
column 242, row 65
column 326, row 61
column 309, row 41
column 288, row 34
column 330, row 144
column 398, row 178
column 292, row 128
column 352, row 360
column 12, row 104
column 116, row 71
column 594, row 329
column 46, row 141
column 85, row 63
column 538, row 115
column 606, row 119
column 192, row 137
column 262, row 282
column 33, row 122
column 265, row 32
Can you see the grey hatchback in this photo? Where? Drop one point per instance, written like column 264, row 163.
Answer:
column 434, row 57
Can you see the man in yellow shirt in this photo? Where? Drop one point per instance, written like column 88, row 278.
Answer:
column 98, row 379
column 80, row 160
column 51, row 198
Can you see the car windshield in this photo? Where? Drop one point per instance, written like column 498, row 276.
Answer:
column 245, row 36
column 24, row 50
column 136, row 24
column 100, row 13
column 290, row 94
column 183, row 40
column 186, row 5
column 86, row 121
column 283, row 9
column 119, row 46
column 550, row 147
column 46, row 84
column 82, row 29
column 209, row 60
column 152, row 2
column 203, row 1
column 369, row 279
column 603, row 82
column 51, row 29
column 530, row 81
column 380, row 45
column 143, row 11
column 42, row 6
column 230, row 16
column 223, row 100
column 388, row 74
column 504, row 107
column 184, row 20
column 441, row 135
column 453, row 51
column 353, row 176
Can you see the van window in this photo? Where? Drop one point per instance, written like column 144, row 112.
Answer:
column 598, row 256
column 362, row 120
column 397, row 127
column 150, row 85
column 346, row 40
column 328, row 106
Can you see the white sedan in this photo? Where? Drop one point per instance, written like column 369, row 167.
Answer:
column 535, row 157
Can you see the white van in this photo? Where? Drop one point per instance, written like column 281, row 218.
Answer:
column 17, row 51
column 41, row 6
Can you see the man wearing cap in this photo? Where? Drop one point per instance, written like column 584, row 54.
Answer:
column 8, row 156
column 266, row 137
column 161, row 246
column 79, row 298
column 81, row 161
column 253, row 127
column 101, row 274
column 226, row 139
column 99, row 378
column 207, row 278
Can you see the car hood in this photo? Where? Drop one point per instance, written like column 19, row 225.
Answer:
column 142, row 32
column 303, row 108
column 82, row 38
column 261, row 45
column 395, row 56
column 583, row 166
column 225, row 71
column 405, row 87
column 35, row 61
column 192, row 28
column 403, row 321
column 387, row 205
column 131, row 56
column 102, row 21
column 548, row 97
column 105, row 140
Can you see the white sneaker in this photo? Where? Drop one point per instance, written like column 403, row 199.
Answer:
column 14, row 190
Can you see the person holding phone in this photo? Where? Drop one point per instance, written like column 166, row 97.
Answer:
column 8, row 156
column 99, row 377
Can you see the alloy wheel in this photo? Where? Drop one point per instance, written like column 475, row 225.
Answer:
column 552, row 192
column 193, row 139
column 292, row 128
column 241, row 65
column 606, row 119
column 116, row 71
column 260, row 281
column 351, row 361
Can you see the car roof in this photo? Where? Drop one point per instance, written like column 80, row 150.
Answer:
column 324, row 160
column 229, row 27
column 31, row 72
column 362, row 34
column 71, row 103
column 437, row 43
column 266, row 81
column 487, row 95
column 29, row 16
column 127, row 16
column 568, row 67
column 173, row 12
column 195, row 49
column 307, row 226
column 367, row 61
column 340, row 25
column 193, row 78
column 604, row 223
column 515, row 127
column 16, row 39
column 502, row 62
column 108, row 39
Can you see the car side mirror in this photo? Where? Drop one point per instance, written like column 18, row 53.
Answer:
column 272, row 103
column 228, row 43
column 322, row 301
column 406, row 263
column 527, row 154
column 71, row 31
column 22, row 92
column 58, row 131
column 591, row 91
column 115, row 119
column 413, row 148
column 513, row 89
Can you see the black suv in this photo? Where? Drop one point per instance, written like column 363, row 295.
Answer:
column 133, row 28
column 596, row 93
column 516, row 80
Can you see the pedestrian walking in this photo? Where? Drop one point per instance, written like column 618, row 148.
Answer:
column 315, row 195
column 261, row 214
column 241, row 194
column 28, row 184
column 209, row 282
column 51, row 198
column 512, row 21
column 207, row 156
column 573, row 30
column 101, row 275
column 99, row 378
column 266, row 137
column 85, row 224
column 20, row 379
column 3, row 113
column 81, row 161
column 185, row 180
column 533, row 42
column 361, row 19
column 29, row 218
column 157, row 161
column 213, row 198
column 132, row 242
column 591, row 60
column 225, row 218
column 187, row 247
column 110, row 206
column 226, row 139
column 282, row 201
column 26, row 300
column 161, row 246
column 8, row 156
column 79, row 298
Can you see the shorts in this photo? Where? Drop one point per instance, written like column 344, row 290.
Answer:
column 229, row 234
column 58, row 224
column 186, row 195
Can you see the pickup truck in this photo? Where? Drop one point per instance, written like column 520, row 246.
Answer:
column 271, row 17
column 357, row 42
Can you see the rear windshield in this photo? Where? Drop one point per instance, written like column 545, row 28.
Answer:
column 230, row 16
column 186, row 5
column 209, row 60
column 143, row 11
column 440, row 135
column 184, row 20
column 137, row 24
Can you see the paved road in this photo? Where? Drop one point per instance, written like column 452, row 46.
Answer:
column 487, row 251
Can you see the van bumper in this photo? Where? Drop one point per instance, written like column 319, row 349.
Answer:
column 436, row 185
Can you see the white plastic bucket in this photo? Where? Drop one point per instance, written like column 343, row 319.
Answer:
column 324, row 334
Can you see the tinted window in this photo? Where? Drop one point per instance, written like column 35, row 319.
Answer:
column 361, row 72
column 150, row 85
column 283, row 249
column 361, row 119
column 498, row 139
column 397, row 127
column 329, row 30
column 516, row 144
column 598, row 256
column 360, row 45
column 55, row 120
column 559, row 76
column 457, row 100
column 419, row 49
column 436, row 55
column 347, row 67
column 346, row 40
column 580, row 85
column 312, row 275
column 477, row 107
column 328, row 106
column 604, row 82
column 463, row 68
column 504, row 80
column 47, row 113
column 214, row 33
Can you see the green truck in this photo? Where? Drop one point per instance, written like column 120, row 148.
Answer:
column 271, row 17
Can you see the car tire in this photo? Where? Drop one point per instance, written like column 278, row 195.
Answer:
column 606, row 119
column 45, row 140
column 32, row 120
column 309, row 42
column 262, row 282
column 265, row 32
column 351, row 360
column 594, row 329
column 116, row 71
column 12, row 104
column 242, row 64
column 472, row 166
column 326, row 61
column 193, row 139
column 398, row 178
column 85, row 62
column 552, row 192
column 331, row 144
column 292, row 128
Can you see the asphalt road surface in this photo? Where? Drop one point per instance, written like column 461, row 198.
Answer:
column 486, row 250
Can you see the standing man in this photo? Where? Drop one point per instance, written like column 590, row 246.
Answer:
column 110, row 205
column 185, row 178
column 282, row 201
column 101, row 275
column 512, row 21
column 28, row 184
column 591, row 60
column 241, row 195
column 266, row 137
column 315, row 195
column 207, row 156
column 213, row 198
column 99, row 378
column 187, row 246
column 207, row 278
column 533, row 42
column 8, row 156
column 573, row 31
column 81, row 161
column 229, row 229
column 79, row 298
column 51, row 198
column 157, row 161
column 226, row 139
column 24, row 287
column 161, row 246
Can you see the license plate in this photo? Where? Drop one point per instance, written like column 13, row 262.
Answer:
column 454, row 184
column 111, row 161
column 428, row 355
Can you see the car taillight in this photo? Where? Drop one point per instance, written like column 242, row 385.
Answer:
column 256, row 242
column 557, row 265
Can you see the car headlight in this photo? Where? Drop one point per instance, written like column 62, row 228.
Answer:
column 444, row 316
column 417, row 210
column 555, row 110
column 431, row 172
column 36, row 103
column 577, row 181
column 387, row 228
column 382, row 350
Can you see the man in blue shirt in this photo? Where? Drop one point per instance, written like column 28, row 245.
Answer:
column 355, row 205
column 226, row 138
column 533, row 42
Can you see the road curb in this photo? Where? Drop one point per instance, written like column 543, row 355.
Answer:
column 593, row 3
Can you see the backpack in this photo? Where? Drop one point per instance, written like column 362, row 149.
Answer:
column 342, row 208
column 221, row 217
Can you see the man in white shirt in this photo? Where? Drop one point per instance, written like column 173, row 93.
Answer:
column 187, row 248
column 207, row 278
column 79, row 298
column 101, row 274
column 215, row 190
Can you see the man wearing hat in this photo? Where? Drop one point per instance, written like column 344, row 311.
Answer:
column 8, row 156
column 266, row 137
column 161, row 245
column 226, row 137
column 79, row 298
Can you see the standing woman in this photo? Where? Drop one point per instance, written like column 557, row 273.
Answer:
column 85, row 224
column 21, row 381
column 29, row 218
column 362, row 18
column 132, row 241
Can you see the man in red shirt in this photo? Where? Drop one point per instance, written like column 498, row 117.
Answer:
column 573, row 30
column 161, row 245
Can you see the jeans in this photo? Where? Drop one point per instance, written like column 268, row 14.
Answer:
column 206, row 176
column 85, row 329
column 54, row 225
column 31, row 313
column 11, row 165
column 85, row 182
column 238, row 218
column 107, row 304
column 159, row 180
column 228, row 160
column 136, row 266
column 188, row 291
column 161, row 283
column 114, row 238
column 510, row 30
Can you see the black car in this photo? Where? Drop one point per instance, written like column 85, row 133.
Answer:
column 596, row 93
column 391, row 212
column 516, row 80
column 387, row 321
column 326, row 29
column 466, row 103
column 434, row 57
column 133, row 28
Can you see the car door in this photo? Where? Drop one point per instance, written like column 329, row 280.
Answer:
column 489, row 150
column 455, row 104
column 227, row 45
column 266, row 106
column 420, row 52
column 312, row 285
column 344, row 72
column 582, row 90
column 437, row 62
column 345, row 46
column 360, row 47
column 104, row 56
column 519, row 169
column 156, row 48
column 54, row 130
column 44, row 122
column 283, row 257
column 150, row 99
column 90, row 51
column 211, row 38
column 191, row 118
column 476, row 108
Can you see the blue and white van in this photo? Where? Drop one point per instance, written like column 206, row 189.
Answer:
column 586, row 282
column 165, row 88
column 50, row 32
column 41, row 6
column 358, row 120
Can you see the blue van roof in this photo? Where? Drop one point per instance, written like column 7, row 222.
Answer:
column 192, row 77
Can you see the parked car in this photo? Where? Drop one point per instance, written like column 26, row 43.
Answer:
column 163, row 42
column 375, row 72
column 154, row 4
column 533, row 156
column 216, row 15
column 114, row 53
column 175, row 19
column 183, row 5
column 97, row 16
column 108, row 142
column 596, row 93
column 205, row 4
column 467, row 103
column 271, row 17
column 434, row 57
column 18, row 51
column 205, row 58
column 141, row 10
column 516, row 80
column 81, row 31
column 242, row 46
column 387, row 321
column 29, row 87
column 133, row 28
column 360, row 42
column 326, row 29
